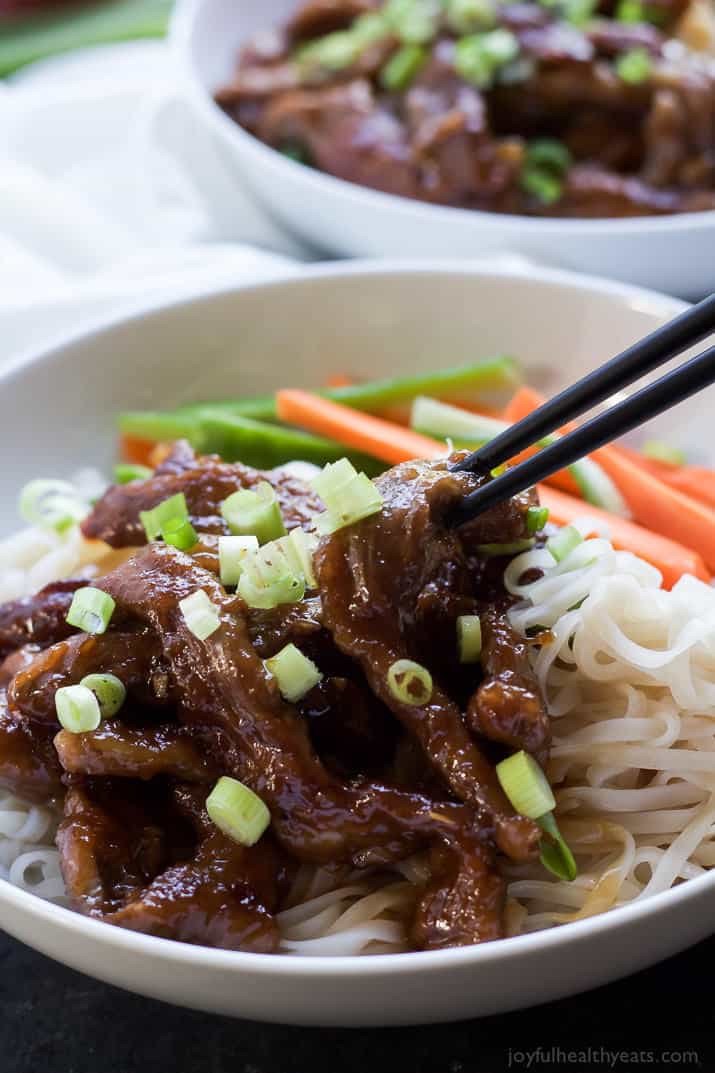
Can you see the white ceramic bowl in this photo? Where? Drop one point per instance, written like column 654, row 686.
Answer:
column 673, row 254
column 58, row 410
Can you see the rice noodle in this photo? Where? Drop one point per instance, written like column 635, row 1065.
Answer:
column 629, row 679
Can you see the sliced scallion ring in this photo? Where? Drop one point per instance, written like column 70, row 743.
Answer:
column 349, row 496
column 232, row 553
column 52, row 505
column 536, row 519
column 237, row 811
column 91, row 610
column 200, row 614
column 563, row 543
column 172, row 512
column 410, row 683
column 180, row 533
column 250, row 512
column 109, row 690
column 77, row 709
column 126, row 472
column 526, row 786
column 469, row 638
column 295, row 674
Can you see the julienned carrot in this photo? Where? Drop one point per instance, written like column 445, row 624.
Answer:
column 137, row 451
column 695, row 481
column 652, row 502
column 671, row 558
column 339, row 380
column 383, row 439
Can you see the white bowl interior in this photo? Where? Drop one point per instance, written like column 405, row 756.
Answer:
column 59, row 413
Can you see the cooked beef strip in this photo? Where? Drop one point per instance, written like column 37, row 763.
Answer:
column 135, row 863
column 28, row 762
column 135, row 658
column 507, row 707
column 115, row 518
column 371, row 576
column 38, row 619
column 230, row 700
column 115, row 750
column 17, row 661
column 318, row 17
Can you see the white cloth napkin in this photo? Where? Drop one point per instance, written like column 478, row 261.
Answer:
column 112, row 197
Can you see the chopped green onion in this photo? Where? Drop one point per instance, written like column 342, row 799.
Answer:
column 172, row 511
column 536, row 519
column 200, row 614
column 125, row 472
column 402, row 67
column 550, row 154
column 254, row 513
column 469, row 638
column 109, row 690
column 479, row 57
column 348, row 495
column 91, row 610
column 180, row 533
column 287, row 589
column 295, row 674
column 579, row 12
column 563, row 543
column 631, row 11
column 664, row 452
column 333, row 52
column 525, row 784
column 232, row 552
column 52, row 505
column 369, row 28
column 77, row 709
column 556, row 855
column 304, row 545
column 410, row 682
column 635, row 66
column 470, row 16
column 491, row 551
column 541, row 184
column 237, row 811
column 415, row 22
column 272, row 576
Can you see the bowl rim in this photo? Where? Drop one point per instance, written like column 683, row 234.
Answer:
column 493, row 953
column 182, row 27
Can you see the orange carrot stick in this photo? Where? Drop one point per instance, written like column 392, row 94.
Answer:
column 339, row 380
column 671, row 558
column 695, row 481
column 137, row 451
column 383, row 439
column 653, row 503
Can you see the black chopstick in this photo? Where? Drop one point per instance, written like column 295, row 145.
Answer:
column 647, row 354
column 666, row 392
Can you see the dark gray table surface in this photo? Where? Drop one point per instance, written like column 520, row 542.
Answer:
column 53, row 1020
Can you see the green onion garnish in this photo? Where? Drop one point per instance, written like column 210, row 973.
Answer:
column 77, row 709
column 333, row 52
column 91, row 610
column 402, row 67
column 634, row 67
column 469, row 638
column 295, row 674
column 180, row 533
column 563, row 543
column 479, row 57
column 491, row 551
column 200, row 614
column 369, row 28
column 237, row 811
column 300, row 548
column 525, row 784
column 254, row 513
column 542, row 184
column 272, row 576
column 549, row 153
column 172, row 511
column 632, row 11
column 556, row 855
column 348, row 495
column 109, row 690
column 579, row 12
column 536, row 519
column 232, row 551
column 53, row 505
column 125, row 472
column 664, row 452
column 410, row 683
column 415, row 22
column 470, row 16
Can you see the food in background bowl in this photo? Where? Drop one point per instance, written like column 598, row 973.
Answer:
column 573, row 109
column 296, row 711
